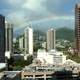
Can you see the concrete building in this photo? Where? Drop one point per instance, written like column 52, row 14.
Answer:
column 37, row 73
column 11, row 75
column 21, row 43
column 18, row 57
column 50, row 39
column 9, row 37
column 44, row 45
column 2, row 39
column 52, row 57
column 58, row 57
column 2, row 69
column 49, row 73
column 28, row 40
column 77, row 28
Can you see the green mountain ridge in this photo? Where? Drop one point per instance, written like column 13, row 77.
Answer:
column 65, row 33
column 61, row 33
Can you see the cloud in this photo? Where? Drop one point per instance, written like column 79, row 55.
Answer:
column 35, row 5
column 17, row 18
column 55, row 20
column 22, row 12
column 15, row 2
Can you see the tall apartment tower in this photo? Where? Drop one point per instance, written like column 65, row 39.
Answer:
column 2, row 39
column 77, row 28
column 21, row 42
column 9, row 37
column 28, row 40
column 50, row 39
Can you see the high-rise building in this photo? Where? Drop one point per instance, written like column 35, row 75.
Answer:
column 9, row 37
column 28, row 38
column 50, row 39
column 77, row 27
column 21, row 42
column 2, row 38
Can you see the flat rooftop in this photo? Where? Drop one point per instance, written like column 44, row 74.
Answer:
column 2, row 65
column 11, row 74
column 42, row 69
column 1, row 74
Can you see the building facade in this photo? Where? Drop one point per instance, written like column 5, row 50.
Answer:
column 9, row 37
column 50, row 39
column 21, row 43
column 44, row 45
column 52, row 57
column 28, row 38
column 77, row 27
column 2, row 38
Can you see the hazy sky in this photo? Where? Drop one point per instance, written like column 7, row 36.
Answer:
column 41, row 13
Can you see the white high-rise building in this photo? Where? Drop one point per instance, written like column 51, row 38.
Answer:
column 28, row 40
column 9, row 37
column 50, row 39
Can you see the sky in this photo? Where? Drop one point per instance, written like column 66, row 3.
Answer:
column 39, row 13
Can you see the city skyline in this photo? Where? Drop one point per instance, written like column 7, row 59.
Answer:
column 42, row 13
column 47, row 53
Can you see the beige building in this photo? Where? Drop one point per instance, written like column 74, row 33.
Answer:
column 50, row 39
column 37, row 72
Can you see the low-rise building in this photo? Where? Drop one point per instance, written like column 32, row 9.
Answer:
column 2, row 69
column 44, row 45
column 12, row 75
column 52, row 57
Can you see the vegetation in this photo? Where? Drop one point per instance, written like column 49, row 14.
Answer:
column 60, row 49
column 39, row 37
column 61, row 33
column 20, row 63
column 37, row 46
column 23, row 63
column 65, row 33
column 75, row 57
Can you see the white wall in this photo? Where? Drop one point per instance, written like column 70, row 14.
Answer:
column 56, row 58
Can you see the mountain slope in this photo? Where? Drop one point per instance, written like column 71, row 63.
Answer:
column 65, row 33
column 61, row 33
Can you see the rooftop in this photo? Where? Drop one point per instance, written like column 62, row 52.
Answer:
column 11, row 74
column 2, row 65
column 1, row 75
column 55, row 52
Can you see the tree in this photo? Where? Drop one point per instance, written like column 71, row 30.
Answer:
column 23, row 63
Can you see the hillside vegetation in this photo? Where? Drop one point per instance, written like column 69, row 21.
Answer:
column 65, row 33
